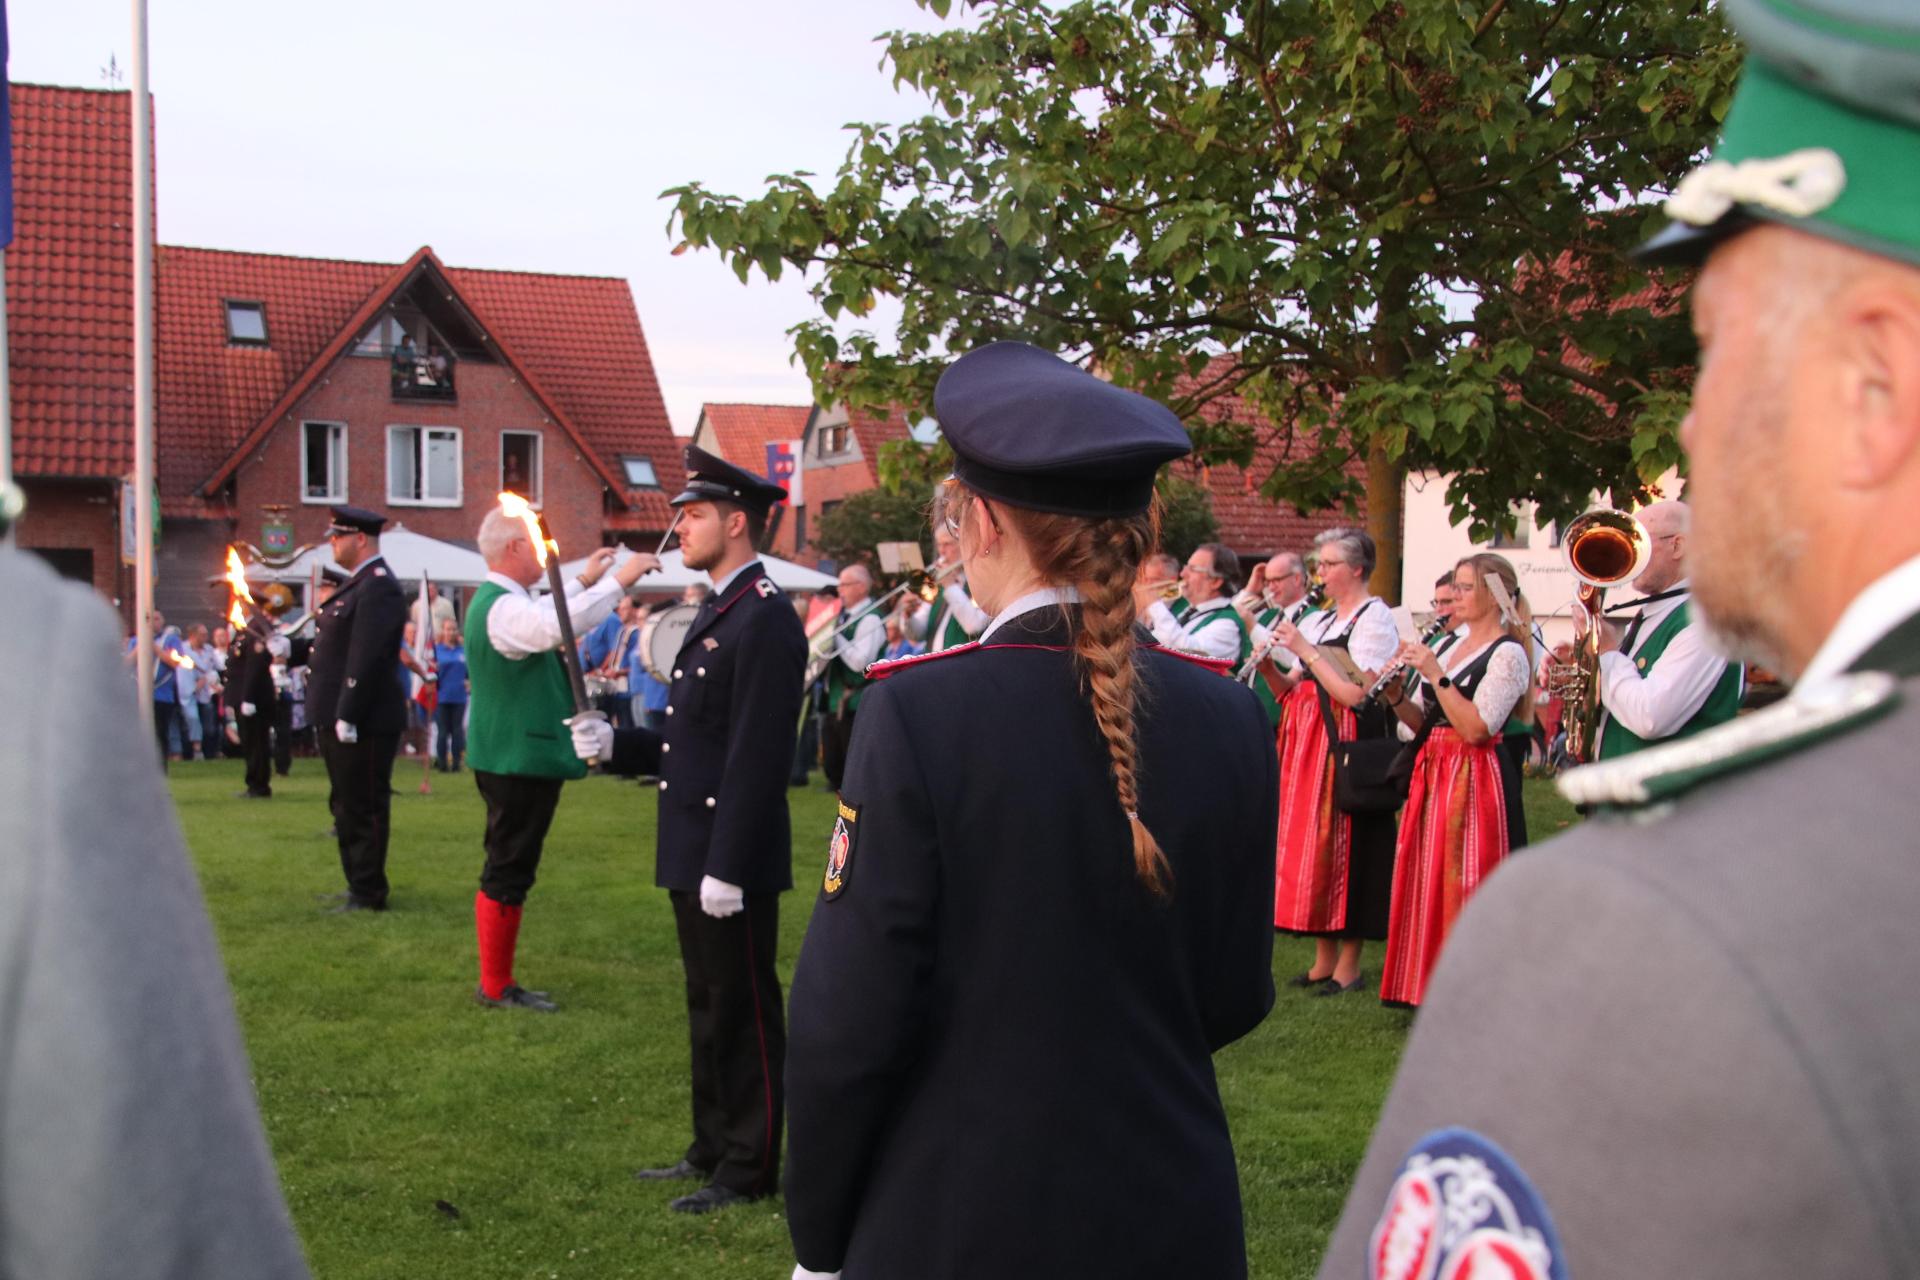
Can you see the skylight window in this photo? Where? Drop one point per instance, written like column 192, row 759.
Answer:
column 640, row 473
column 247, row 323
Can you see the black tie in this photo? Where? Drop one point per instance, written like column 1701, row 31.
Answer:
column 1633, row 632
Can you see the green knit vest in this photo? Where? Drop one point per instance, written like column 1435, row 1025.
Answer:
column 516, row 705
column 1721, row 705
column 843, row 686
column 940, row 620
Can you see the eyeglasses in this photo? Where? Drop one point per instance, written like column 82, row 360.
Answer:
column 1201, row 569
column 1331, row 564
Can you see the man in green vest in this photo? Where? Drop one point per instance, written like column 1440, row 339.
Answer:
column 1659, row 680
column 953, row 618
column 1208, row 626
column 1280, row 584
column 859, row 638
column 517, row 741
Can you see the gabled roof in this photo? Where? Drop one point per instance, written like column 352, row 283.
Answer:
column 742, row 432
column 1248, row 521
column 69, row 282
column 873, row 428
column 349, row 331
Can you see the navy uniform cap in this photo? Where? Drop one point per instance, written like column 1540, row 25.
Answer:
column 1031, row 429
column 711, row 479
column 356, row 520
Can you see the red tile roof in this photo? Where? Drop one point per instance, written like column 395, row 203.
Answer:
column 742, row 432
column 873, row 429
column 1250, row 523
column 577, row 339
column 69, row 282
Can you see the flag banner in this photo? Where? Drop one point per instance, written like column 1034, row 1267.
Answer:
column 783, row 467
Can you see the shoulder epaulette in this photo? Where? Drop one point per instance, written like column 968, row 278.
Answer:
column 893, row 666
column 1219, row 666
column 1809, row 715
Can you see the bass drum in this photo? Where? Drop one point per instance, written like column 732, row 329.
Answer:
column 661, row 636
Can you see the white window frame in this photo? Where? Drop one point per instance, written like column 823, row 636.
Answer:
column 338, row 491
column 537, row 497
column 459, row 466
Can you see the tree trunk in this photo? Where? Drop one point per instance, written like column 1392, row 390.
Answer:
column 1386, row 490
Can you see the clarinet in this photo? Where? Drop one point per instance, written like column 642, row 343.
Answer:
column 1427, row 634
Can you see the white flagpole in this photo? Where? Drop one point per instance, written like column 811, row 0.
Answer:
column 143, row 494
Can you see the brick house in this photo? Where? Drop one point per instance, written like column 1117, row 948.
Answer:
column 740, row 433
column 288, row 384
column 839, row 457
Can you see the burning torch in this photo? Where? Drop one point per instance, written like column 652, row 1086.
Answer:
column 547, row 551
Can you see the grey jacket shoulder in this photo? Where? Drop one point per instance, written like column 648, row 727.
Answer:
column 129, row 1139
column 1694, row 1028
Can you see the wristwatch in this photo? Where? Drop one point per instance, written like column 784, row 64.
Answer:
column 1444, row 682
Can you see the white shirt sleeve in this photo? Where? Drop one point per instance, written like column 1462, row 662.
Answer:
column 915, row 625
column 1500, row 690
column 1165, row 627
column 1375, row 639
column 1657, row 704
column 519, row 626
column 973, row 619
column 1216, row 637
column 869, row 640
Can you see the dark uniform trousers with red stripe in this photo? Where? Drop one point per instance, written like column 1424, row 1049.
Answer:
column 739, row 1039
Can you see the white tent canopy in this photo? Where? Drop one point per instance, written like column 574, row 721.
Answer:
column 675, row 576
column 408, row 555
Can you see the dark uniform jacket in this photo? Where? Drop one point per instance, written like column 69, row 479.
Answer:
column 1000, row 1043
column 249, row 671
column 1691, row 1028
column 351, row 666
column 723, row 759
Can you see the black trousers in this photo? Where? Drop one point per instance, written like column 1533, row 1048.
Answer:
column 282, row 736
column 519, row 811
column 836, row 731
column 739, row 1035
column 362, row 777
column 253, row 746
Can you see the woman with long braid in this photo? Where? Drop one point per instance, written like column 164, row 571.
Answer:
column 1045, row 899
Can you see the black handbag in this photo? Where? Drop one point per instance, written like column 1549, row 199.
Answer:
column 1370, row 775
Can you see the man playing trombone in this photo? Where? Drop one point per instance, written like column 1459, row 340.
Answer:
column 859, row 638
column 952, row 618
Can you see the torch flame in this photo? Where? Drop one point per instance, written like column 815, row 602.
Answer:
column 180, row 660
column 513, row 506
column 237, row 581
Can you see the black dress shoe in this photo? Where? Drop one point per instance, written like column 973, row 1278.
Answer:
column 253, row 795
column 1333, row 988
column 709, row 1198
column 672, row 1173
column 1308, row 980
column 516, row 998
column 355, row 904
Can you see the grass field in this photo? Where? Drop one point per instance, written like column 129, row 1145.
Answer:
column 419, row 1135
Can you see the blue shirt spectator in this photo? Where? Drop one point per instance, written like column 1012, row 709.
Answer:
column 598, row 643
column 451, row 661
column 165, row 672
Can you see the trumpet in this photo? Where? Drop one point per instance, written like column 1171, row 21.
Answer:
column 1604, row 548
column 927, row 584
column 1428, row 634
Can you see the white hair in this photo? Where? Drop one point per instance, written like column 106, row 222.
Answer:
column 497, row 533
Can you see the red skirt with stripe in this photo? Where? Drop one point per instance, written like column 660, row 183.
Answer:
column 1315, row 843
column 1453, row 833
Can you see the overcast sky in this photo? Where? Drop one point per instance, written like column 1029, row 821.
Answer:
column 508, row 136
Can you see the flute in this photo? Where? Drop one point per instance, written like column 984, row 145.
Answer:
column 1431, row 630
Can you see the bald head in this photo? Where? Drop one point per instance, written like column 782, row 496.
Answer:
column 1665, row 518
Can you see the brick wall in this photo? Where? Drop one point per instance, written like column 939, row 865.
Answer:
column 831, row 484
column 357, row 391
column 75, row 516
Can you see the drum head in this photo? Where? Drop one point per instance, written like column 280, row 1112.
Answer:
column 661, row 638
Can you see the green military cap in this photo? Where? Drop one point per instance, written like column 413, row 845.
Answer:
column 1823, row 133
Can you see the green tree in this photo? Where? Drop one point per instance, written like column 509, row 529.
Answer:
column 1404, row 219
column 851, row 530
column 1186, row 517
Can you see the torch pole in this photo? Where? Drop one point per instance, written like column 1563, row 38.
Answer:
column 569, row 651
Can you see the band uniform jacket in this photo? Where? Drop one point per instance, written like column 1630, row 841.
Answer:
column 250, row 672
column 1748, row 1103
column 1000, row 1042
column 723, row 759
column 352, row 666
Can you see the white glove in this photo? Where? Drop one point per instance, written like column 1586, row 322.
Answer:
column 592, row 735
column 801, row 1273
column 345, row 732
column 720, row 899
column 247, row 709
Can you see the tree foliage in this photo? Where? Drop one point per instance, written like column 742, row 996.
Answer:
column 1404, row 219
column 1186, row 516
column 850, row 530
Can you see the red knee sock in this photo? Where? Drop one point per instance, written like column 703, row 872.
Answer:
column 497, row 927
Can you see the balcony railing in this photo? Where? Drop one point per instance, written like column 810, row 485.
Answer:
column 422, row 377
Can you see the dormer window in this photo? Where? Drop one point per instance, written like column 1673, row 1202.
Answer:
column 640, row 472
column 247, row 324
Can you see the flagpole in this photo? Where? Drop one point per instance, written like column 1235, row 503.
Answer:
column 143, row 494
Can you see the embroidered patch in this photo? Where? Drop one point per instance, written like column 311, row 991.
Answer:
column 709, row 643
column 766, row 588
column 379, row 572
column 840, row 850
column 1461, row 1208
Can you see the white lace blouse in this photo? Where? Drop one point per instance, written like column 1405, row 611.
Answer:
column 1507, row 680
